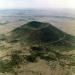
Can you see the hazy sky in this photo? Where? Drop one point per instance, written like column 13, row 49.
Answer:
column 37, row 4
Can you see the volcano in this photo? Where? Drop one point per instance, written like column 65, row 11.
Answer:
column 36, row 32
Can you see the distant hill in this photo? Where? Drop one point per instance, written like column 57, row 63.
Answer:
column 36, row 32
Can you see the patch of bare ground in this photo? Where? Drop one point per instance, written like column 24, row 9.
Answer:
column 40, row 68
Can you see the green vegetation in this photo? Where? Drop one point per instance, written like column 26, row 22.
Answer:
column 8, row 65
column 5, row 66
column 34, row 24
column 2, row 37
